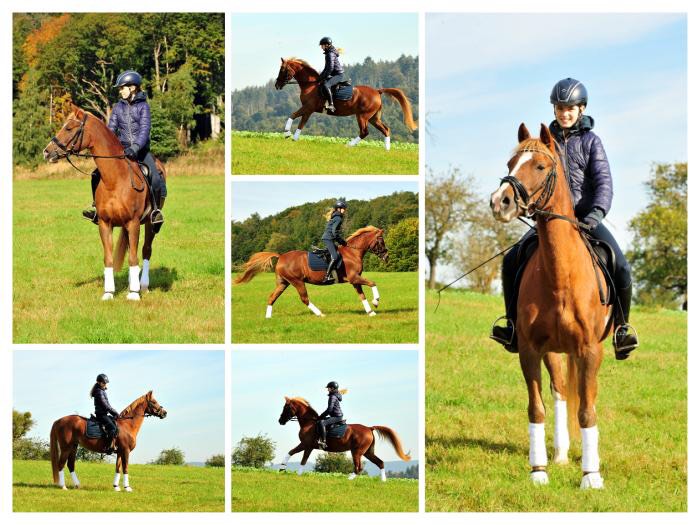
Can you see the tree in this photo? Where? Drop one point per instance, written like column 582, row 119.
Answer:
column 335, row 462
column 23, row 447
column 217, row 460
column 22, row 423
column 253, row 452
column 31, row 122
column 170, row 456
column 410, row 473
column 448, row 205
column 89, row 456
column 402, row 243
column 659, row 251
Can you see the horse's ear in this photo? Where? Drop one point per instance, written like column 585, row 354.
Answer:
column 75, row 109
column 286, row 399
column 546, row 136
column 282, row 59
column 523, row 133
column 150, row 394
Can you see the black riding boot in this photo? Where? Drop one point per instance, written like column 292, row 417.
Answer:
column 91, row 212
column 625, row 337
column 506, row 334
column 329, row 98
column 322, row 436
column 328, row 278
column 157, row 218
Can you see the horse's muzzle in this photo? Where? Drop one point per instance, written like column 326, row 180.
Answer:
column 163, row 414
column 281, row 421
column 51, row 155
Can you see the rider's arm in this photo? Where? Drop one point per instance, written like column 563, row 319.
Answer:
column 601, row 179
column 144, row 126
column 112, row 124
column 327, row 68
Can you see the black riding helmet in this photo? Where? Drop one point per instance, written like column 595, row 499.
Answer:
column 333, row 385
column 326, row 40
column 102, row 378
column 569, row 92
column 128, row 78
column 340, row 204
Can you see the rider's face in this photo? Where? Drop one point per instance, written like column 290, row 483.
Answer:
column 125, row 91
column 567, row 116
column 342, row 211
column 103, row 386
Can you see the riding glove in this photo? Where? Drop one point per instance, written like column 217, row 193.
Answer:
column 131, row 152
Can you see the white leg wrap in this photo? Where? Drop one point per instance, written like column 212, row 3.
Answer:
column 300, row 470
column 296, row 134
column 288, row 125
column 61, row 478
column 116, row 479
column 382, row 474
column 127, row 487
column 268, row 313
column 538, row 449
column 365, row 303
column 375, row 296
column 109, row 280
column 315, row 310
column 539, row 477
column 387, row 143
column 134, row 278
column 75, row 479
column 561, row 432
column 352, row 476
column 354, row 142
column 286, row 460
column 592, row 480
column 590, row 461
column 145, row 279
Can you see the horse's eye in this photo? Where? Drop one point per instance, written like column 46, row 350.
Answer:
column 540, row 167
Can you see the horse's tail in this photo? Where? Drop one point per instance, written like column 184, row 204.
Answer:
column 405, row 106
column 120, row 250
column 387, row 433
column 572, row 396
column 55, row 452
column 258, row 262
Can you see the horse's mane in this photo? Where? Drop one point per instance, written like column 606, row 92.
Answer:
column 303, row 402
column 535, row 145
column 302, row 62
column 361, row 231
column 108, row 133
column 132, row 406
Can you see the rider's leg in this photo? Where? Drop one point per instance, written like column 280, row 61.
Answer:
column 322, row 433
column 328, row 84
column 624, row 337
column 330, row 246
column 159, row 191
column 91, row 212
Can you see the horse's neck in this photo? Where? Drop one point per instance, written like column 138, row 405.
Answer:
column 105, row 144
column 305, row 76
column 360, row 244
column 135, row 420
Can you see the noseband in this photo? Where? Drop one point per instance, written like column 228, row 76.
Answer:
column 522, row 197
column 69, row 148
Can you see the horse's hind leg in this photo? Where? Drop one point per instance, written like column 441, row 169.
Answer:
column 362, row 124
column 357, row 462
column 376, row 121
column 106, row 238
column 561, row 431
column 146, row 252
column 117, row 473
column 71, row 466
column 134, row 228
column 588, row 390
column 304, row 296
column 66, row 450
column 365, row 302
column 374, row 459
column 281, row 287
column 531, row 364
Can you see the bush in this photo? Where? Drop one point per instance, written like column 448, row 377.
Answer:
column 27, row 448
column 89, row 456
column 170, row 456
column 335, row 462
column 253, row 452
column 217, row 460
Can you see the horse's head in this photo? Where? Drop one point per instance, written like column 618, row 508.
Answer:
column 293, row 409
column 378, row 247
column 72, row 138
column 370, row 238
column 286, row 74
column 153, row 408
column 531, row 177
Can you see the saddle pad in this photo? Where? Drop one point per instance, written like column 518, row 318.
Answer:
column 337, row 431
column 343, row 92
column 94, row 430
column 317, row 263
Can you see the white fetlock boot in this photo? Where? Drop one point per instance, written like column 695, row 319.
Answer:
column 109, row 284
column 134, row 285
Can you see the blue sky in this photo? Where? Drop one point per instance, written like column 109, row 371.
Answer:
column 487, row 73
column 189, row 384
column 260, row 40
column 383, row 390
column 268, row 198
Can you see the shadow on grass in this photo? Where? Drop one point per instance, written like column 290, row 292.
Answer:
column 161, row 278
column 485, row 444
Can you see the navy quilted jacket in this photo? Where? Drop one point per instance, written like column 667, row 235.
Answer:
column 102, row 406
column 333, row 410
column 587, row 168
column 333, row 65
column 131, row 122
column 332, row 231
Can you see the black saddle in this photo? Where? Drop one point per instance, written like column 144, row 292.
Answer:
column 342, row 90
column 320, row 258
column 337, row 430
column 95, row 429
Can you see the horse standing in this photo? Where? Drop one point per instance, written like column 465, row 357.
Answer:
column 293, row 268
column 365, row 104
column 358, row 439
column 70, row 431
column 559, row 307
column 122, row 197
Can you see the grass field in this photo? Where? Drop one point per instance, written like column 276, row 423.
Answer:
column 476, row 419
column 58, row 265
column 345, row 322
column 269, row 491
column 156, row 488
column 272, row 154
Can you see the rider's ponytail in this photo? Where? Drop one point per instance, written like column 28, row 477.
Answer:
column 329, row 213
column 343, row 391
column 340, row 50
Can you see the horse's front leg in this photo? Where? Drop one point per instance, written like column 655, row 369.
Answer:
column 295, row 450
column 530, row 363
column 304, row 120
column 358, row 282
column 304, row 459
column 106, row 237
column 125, row 468
column 588, row 390
column 288, row 125
column 134, row 228
column 365, row 303
column 146, row 252
column 558, row 387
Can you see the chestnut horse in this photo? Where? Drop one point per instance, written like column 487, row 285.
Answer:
column 122, row 197
column 293, row 268
column 358, row 439
column 365, row 104
column 69, row 432
column 559, row 306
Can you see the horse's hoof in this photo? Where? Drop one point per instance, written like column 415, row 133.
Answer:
column 372, row 313
column 539, row 477
column 144, row 288
column 561, row 457
column 64, row 487
column 116, row 488
column 127, row 489
column 592, row 480
column 133, row 296
column 76, row 486
column 352, row 476
column 108, row 296
column 375, row 302
column 287, row 134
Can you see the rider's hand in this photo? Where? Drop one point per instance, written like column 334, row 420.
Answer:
column 130, row 153
column 593, row 218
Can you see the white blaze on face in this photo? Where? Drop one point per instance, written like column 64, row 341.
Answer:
column 497, row 197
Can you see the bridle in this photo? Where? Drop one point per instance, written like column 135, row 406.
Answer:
column 69, row 148
column 374, row 247
column 294, row 417
column 289, row 72
column 149, row 411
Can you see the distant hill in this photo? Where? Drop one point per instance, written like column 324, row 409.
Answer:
column 263, row 108
column 371, row 468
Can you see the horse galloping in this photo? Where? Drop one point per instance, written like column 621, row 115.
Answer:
column 122, row 197
column 365, row 103
column 70, row 431
column 358, row 439
column 559, row 305
column 293, row 268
